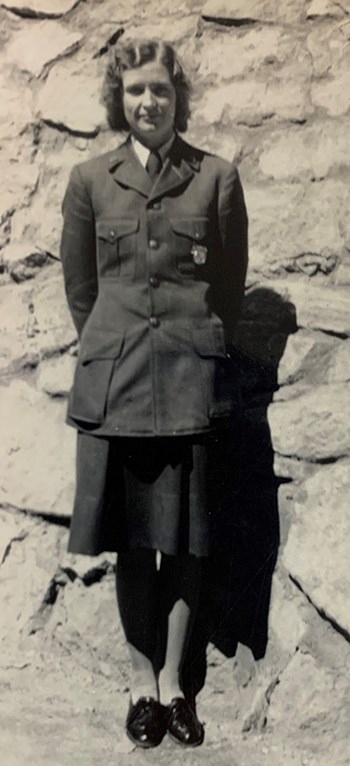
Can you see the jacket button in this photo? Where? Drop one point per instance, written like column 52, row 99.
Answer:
column 155, row 205
column 154, row 322
column 154, row 281
column 153, row 244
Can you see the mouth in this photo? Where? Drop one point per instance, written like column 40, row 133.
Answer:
column 151, row 118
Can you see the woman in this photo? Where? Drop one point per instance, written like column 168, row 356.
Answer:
column 154, row 253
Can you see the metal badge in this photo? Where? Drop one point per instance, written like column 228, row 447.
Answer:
column 199, row 254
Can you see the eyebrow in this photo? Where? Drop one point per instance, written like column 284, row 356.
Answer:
column 154, row 82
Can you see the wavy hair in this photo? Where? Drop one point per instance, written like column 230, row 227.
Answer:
column 131, row 54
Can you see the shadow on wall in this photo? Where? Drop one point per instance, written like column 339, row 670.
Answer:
column 237, row 580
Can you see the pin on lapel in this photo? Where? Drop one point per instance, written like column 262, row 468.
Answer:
column 199, row 254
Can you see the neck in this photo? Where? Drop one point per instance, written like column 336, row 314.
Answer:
column 151, row 142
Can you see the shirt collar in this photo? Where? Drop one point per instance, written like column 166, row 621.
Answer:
column 143, row 152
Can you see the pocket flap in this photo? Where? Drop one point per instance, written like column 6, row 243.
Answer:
column 101, row 345
column 195, row 228
column 114, row 229
column 210, row 341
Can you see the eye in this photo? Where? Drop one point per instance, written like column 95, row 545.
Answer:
column 134, row 90
column 161, row 90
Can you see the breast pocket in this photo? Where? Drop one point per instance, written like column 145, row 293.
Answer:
column 117, row 247
column 190, row 245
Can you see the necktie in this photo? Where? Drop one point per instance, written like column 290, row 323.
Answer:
column 153, row 165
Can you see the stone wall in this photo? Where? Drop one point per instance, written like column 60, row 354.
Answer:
column 271, row 91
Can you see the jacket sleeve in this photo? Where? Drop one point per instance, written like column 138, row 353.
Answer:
column 233, row 228
column 78, row 250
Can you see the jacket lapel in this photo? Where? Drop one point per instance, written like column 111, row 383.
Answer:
column 177, row 170
column 126, row 169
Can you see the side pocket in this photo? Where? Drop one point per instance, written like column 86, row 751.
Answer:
column 93, row 374
column 218, row 373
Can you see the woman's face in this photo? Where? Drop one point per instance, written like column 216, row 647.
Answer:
column 149, row 102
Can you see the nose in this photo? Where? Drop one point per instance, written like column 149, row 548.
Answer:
column 148, row 98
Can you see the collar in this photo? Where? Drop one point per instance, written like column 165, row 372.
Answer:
column 143, row 151
column 179, row 150
column 126, row 169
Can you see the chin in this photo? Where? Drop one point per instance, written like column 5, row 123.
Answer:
column 147, row 126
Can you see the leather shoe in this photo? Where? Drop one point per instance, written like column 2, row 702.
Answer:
column 183, row 724
column 146, row 722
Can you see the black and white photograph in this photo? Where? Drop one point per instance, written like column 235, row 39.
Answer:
column 174, row 382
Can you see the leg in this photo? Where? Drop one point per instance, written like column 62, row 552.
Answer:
column 137, row 600
column 179, row 582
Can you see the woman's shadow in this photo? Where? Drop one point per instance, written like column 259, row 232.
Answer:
column 236, row 585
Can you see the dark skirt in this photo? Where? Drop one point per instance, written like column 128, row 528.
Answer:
column 160, row 493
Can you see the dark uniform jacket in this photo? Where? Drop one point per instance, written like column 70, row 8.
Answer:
column 154, row 275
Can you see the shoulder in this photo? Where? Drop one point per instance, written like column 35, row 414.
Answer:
column 207, row 161
column 96, row 167
column 89, row 169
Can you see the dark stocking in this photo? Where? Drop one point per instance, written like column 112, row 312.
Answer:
column 179, row 579
column 153, row 604
column 138, row 607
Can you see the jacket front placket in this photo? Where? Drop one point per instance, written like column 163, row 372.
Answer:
column 155, row 269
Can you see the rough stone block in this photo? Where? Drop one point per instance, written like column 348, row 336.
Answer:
column 180, row 28
column 37, row 228
column 33, row 549
column 37, row 451
column 306, row 702
column 288, row 613
column 312, row 152
column 40, row 8
column 16, row 349
column 240, row 12
column 87, row 620
column 321, row 307
column 328, row 8
column 317, row 549
column 328, row 45
column 70, row 98
column 342, row 276
column 299, row 348
column 292, row 468
column 20, row 181
column 297, row 227
column 35, row 322
column 315, row 358
column 51, row 327
column 222, row 57
column 16, row 108
column 312, row 426
column 56, row 375
column 333, row 95
column 253, row 101
column 32, row 48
